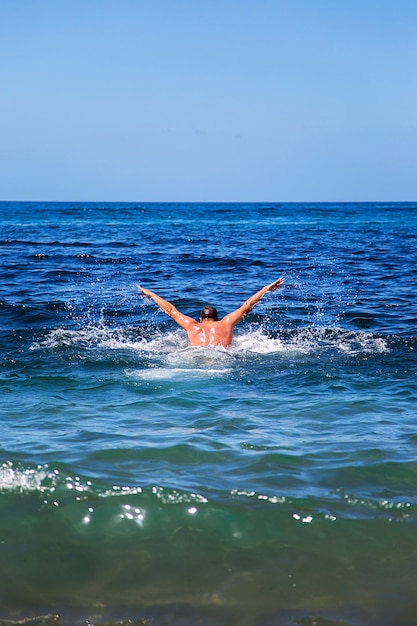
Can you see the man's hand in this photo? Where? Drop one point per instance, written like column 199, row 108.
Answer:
column 144, row 291
column 277, row 283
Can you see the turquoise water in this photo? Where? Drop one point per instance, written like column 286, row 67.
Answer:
column 270, row 483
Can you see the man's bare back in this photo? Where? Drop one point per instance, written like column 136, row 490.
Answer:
column 210, row 331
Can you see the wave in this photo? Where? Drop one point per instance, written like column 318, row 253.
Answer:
column 79, row 543
column 57, row 486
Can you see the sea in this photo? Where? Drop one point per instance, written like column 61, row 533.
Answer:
column 143, row 481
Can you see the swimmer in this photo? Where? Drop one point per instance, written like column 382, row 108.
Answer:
column 210, row 331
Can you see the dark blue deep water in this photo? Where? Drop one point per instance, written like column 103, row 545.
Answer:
column 274, row 483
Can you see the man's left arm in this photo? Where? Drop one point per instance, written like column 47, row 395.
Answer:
column 167, row 307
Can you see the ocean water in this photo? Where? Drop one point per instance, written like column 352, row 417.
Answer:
column 273, row 483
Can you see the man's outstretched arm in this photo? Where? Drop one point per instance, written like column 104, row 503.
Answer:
column 235, row 317
column 182, row 320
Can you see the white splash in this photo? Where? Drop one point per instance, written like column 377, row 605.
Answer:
column 310, row 340
column 110, row 338
column 256, row 341
column 22, row 480
column 173, row 347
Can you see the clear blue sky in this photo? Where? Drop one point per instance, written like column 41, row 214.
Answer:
column 208, row 100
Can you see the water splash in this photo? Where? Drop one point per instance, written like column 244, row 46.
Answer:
column 173, row 346
column 24, row 480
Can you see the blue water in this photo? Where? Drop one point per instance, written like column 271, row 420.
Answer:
column 271, row 483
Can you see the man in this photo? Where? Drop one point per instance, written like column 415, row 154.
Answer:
column 210, row 331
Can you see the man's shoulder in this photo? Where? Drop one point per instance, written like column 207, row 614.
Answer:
column 226, row 320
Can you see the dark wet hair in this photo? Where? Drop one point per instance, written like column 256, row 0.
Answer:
column 209, row 313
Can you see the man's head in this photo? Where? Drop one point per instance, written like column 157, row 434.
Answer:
column 209, row 313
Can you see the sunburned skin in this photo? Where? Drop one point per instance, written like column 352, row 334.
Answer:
column 210, row 332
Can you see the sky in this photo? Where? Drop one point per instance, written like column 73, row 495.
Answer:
column 208, row 100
